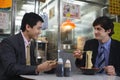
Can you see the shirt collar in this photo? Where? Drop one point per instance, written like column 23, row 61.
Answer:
column 25, row 40
column 107, row 44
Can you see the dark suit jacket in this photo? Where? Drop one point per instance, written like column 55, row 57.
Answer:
column 114, row 56
column 12, row 58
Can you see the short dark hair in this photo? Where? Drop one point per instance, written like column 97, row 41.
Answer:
column 30, row 19
column 105, row 22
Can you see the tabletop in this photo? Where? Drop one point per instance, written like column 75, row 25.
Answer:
column 72, row 77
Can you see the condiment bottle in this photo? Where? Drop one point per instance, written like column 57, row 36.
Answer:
column 67, row 68
column 39, row 60
column 60, row 68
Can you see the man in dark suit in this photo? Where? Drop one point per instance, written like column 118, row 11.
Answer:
column 103, row 30
column 13, row 50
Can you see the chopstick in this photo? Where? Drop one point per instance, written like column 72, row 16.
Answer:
column 83, row 52
column 49, row 62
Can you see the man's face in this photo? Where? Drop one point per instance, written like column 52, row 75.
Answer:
column 100, row 33
column 35, row 31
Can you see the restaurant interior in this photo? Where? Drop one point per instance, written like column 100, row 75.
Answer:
column 57, row 40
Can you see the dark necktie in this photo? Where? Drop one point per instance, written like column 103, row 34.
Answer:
column 101, row 59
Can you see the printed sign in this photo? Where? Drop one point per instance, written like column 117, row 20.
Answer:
column 4, row 20
column 71, row 10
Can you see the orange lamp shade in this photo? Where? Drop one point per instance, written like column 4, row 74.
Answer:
column 68, row 25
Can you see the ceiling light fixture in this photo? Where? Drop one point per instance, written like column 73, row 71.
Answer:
column 68, row 25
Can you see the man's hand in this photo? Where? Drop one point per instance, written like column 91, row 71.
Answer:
column 52, row 63
column 78, row 54
column 110, row 70
column 46, row 66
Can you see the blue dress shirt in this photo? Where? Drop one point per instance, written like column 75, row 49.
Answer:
column 107, row 51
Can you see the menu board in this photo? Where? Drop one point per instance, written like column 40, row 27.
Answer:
column 5, row 3
column 114, row 7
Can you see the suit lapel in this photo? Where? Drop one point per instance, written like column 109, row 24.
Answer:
column 32, row 52
column 21, row 47
column 95, row 51
column 112, row 48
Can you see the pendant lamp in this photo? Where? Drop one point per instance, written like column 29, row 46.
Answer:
column 68, row 25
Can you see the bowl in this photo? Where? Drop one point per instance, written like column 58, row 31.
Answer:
column 89, row 71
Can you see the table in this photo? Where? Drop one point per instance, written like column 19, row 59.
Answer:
column 72, row 77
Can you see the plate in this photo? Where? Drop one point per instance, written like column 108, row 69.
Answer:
column 89, row 71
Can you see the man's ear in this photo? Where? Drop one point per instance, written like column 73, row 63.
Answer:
column 27, row 27
column 109, row 31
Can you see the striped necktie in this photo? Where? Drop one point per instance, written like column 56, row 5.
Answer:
column 101, row 59
column 28, row 55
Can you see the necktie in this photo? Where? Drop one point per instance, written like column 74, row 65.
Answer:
column 28, row 55
column 101, row 59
